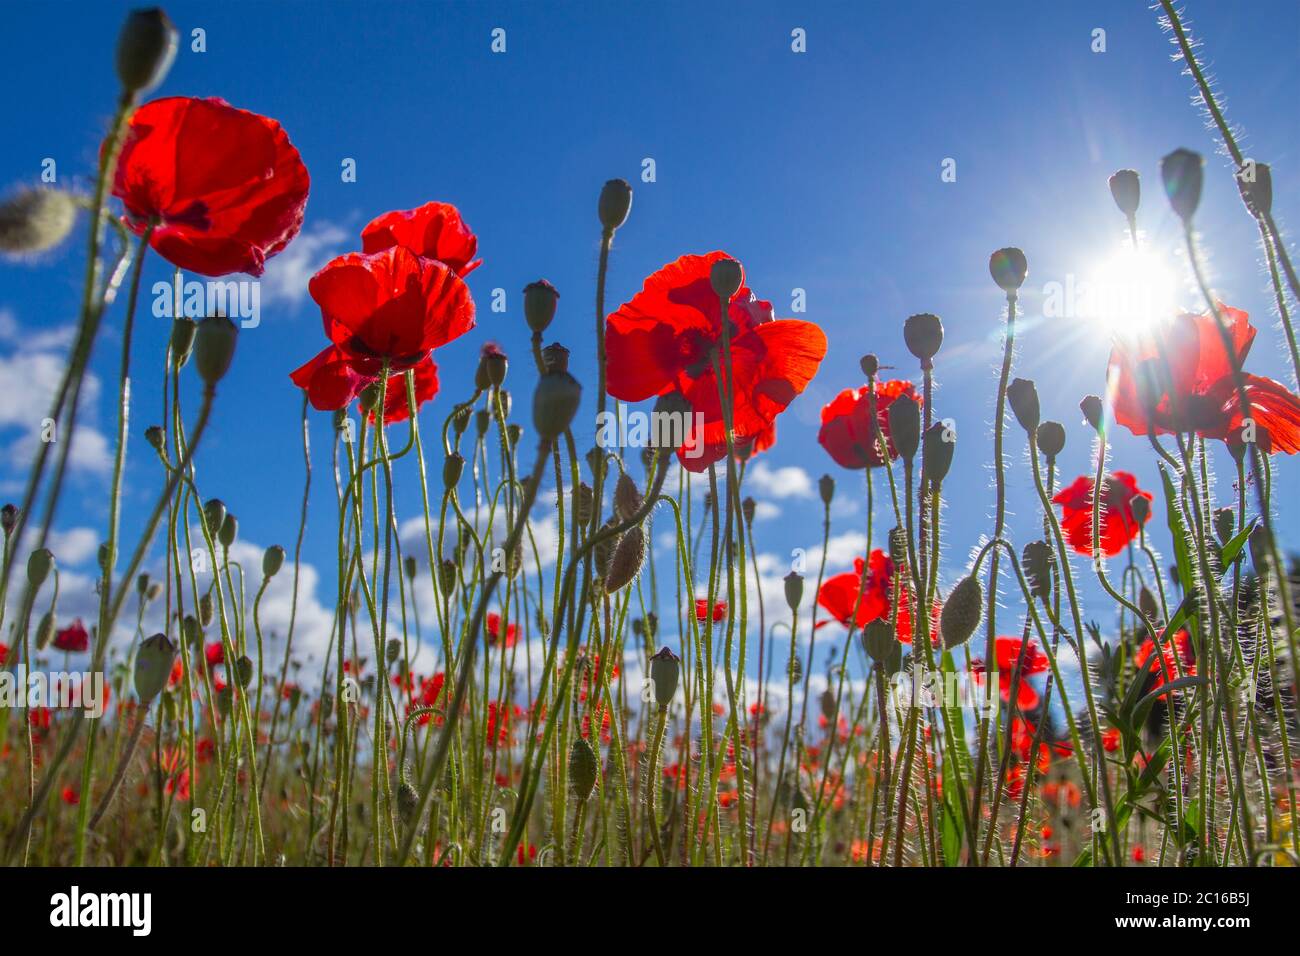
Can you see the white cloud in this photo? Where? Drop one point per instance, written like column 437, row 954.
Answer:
column 788, row 482
column 286, row 276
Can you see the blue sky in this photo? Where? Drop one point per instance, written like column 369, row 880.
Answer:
column 819, row 170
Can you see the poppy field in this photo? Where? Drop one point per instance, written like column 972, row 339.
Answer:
column 551, row 634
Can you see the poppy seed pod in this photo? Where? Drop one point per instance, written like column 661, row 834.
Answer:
column 244, row 671
column 153, row 666
column 272, row 561
column 869, row 364
column 628, row 558
column 214, row 348
column 793, row 590
column 1051, row 439
column 214, row 513
column 45, row 630
column 492, row 365
column 1225, row 522
column 1126, row 190
column 1183, row 172
column 1092, row 411
column 540, row 302
column 923, row 334
column 482, row 421
column 1255, row 181
column 39, row 566
column 182, row 342
column 555, row 402
column 1036, row 559
column 1140, row 505
column 627, row 499
column 582, row 769
column 826, row 487
column 555, row 358
column 206, row 609
column 154, row 436
column 725, row 276
column 1009, row 268
column 452, row 468
column 368, row 400
column 962, row 611
column 35, row 220
column 905, row 425
column 145, row 49
column 229, row 530
column 409, row 566
column 1023, row 397
column 9, row 518
column 936, row 453
column 615, row 203
column 460, row 419
column 665, row 669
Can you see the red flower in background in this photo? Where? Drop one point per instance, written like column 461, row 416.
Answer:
column 493, row 628
column 225, row 186
column 702, row 611
column 1200, row 394
column 215, row 653
column 73, row 638
column 434, row 231
column 329, row 380
column 426, row 387
column 846, row 431
column 1007, row 651
column 4, row 653
column 1182, row 665
column 1118, row 524
column 839, row 594
column 667, row 337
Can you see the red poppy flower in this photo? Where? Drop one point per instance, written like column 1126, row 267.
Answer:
column 426, row 387
column 493, row 628
column 839, row 594
column 1007, row 650
column 1199, row 394
column 702, row 611
column 391, row 306
column 329, row 380
column 73, row 638
column 1119, row 526
column 668, row 336
column 70, row 796
column 1183, row 665
column 215, row 653
column 434, row 230
column 1110, row 739
column 846, row 431
column 4, row 653
column 225, row 186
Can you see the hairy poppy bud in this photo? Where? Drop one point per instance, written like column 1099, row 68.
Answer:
column 244, row 671
column 793, row 590
column 936, row 452
column 229, row 530
column 1051, row 438
column 582, row 769
column 585, row 503
column 9, row 519
column 408, row 801
column 1255, row 180
column 35, row 220
column 447, row 574
column 153, row 666
column 1147, row 605
column 1009, row 269
column 142, row 584
column 182, row 340
column 869, row 364
column 482, row 421
column 1225, row 522
column 191, row 632
column 1126, row 190
column 272, row 561
column 923, row 334
column 826, row 488
column 49, row 623
column 962, row 611
column 392, row 650
column 1141, row 508
column 1182, row 172
column 615, row 203
column 905, row 425
column 368, row 400
column 145, row 49
column 1092, row 411
column 1023, row 397
column 1036, row 558
column 883, row 647
column 207, row 610
column 726, row 276
column 492, row 365
column 409, row 566
column 154, row 436
column 214, row 513
column 555, row 358
column 540, row 301
column 214, row 348
column 460, row 419
column 665, row 668
column 555, row 402
column 748, row 507
column 39, row 565
column 627, row 499
column 453, row 466
column 628, row 558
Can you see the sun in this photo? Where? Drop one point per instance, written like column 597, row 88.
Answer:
column 1128, row 292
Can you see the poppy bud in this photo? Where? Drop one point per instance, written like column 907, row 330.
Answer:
column 145, row 49
column 182, row 343
column 603, row 552
column 898, row 546
column 482, row 420
column 905, row 425
column 665, row 668
column 586, row 498
column 1147, row 605
column 35, row 220
column 923, row 334
column 9, row 519
column 1225, row 523
column 1256, row 184
column 793, row 590
column 1036, row 558
column 880, row 643
column 392, row 650
column 214, row 348
column 1009, row 269
column 1141, row 508
column 726, row 276
column 190, row 631
column 936, row 453
column 555, row 402
column 540, row 301
column 829, row 705
column 1023, row 396
column 747, row 509
column 153, row 666
column 154, row 436
column 826, row 487
column 408, row 801
column 45, row 630
column 447, row 574
column 627, row 499
column 1182, row 172
column 1051, row 439
column 225, row 698
column 582, row 769
column 651, row 624
column 628, row 558
column 962, row 611
column 453, row 467
column 229, row 530
column 409, row 566
column 460, row 419
column 214, row 513
column 272, row 561
column 1126, row 190
column 39, row 565
column 869, row 364
column 244, row 671
column 555, row 358
column 492, row 365
column 1092, row 411
column 142, row 584
column 615, row 203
